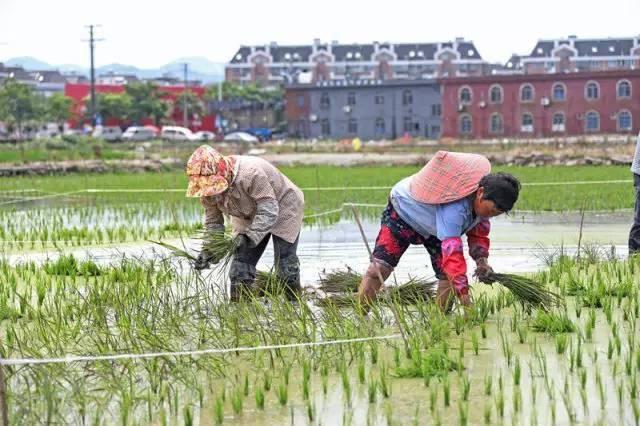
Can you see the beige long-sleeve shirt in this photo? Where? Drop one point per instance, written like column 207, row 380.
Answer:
column 257, row 183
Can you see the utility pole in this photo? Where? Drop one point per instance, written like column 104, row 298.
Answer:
column 92, row 40
column 185, row 117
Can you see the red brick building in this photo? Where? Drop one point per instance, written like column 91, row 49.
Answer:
column 541, row 105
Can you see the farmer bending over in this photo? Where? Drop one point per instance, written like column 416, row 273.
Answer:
column 452, row 195
column 261, row 202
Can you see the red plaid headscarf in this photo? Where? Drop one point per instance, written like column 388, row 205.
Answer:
column 449, row 176
column 210, row 173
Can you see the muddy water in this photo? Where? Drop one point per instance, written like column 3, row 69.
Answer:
column 515, row 244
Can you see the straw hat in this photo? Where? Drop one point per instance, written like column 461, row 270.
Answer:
column 449, row 176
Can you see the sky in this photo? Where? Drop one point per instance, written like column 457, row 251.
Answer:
column 148, row 34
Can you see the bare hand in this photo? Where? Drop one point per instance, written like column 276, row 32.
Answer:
column 483, row 271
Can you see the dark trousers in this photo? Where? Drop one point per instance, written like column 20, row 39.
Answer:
column 634, row 234
column 243, row 266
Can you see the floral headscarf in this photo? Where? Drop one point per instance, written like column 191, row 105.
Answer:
column 210, row 173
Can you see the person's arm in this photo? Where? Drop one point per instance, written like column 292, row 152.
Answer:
column 213, row 222
column 259, row 188
column 479, row 243
column 454, row 265
column 213, row 218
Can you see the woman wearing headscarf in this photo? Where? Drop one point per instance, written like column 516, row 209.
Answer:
column 262, row 203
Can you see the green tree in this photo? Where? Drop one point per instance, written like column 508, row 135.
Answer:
column 113, row 105
column 58, row 108
column 18, row 103
column 194, row 104
column 146, row 101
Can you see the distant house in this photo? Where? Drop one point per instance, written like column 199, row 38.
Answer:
column 573, row 54
column 274, row 64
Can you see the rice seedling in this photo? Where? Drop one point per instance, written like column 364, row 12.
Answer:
column 361, row 371
column 531, row 294
column 488, row 385
column 522, row 334
column 553, row 323
column 463, row 413
column 433, row 399
column 311, row 411
column 340, row 281
column 266, row 381
column 517, row 372
column 283, row 393
column 475, row 344
column 562, row 342
column 385, row 386
column 483, row 330
column 466, row 388
column 219, row 411
column 446, row 391
column 346, row 384
column 236, row 401
column 499, row 401
column 372, row 389
column 487, row 414
column 259, row 394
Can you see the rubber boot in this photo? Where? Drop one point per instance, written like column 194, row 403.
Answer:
column 445, row 295
column 370, row 284
column 241, row 276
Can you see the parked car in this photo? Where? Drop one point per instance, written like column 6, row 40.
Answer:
column 176, row 133
column 204, row 135
column 241, row 137
column 136, row 133
column 107, row 133
column 261, row 133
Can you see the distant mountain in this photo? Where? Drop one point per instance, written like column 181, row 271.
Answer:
column 199, row 68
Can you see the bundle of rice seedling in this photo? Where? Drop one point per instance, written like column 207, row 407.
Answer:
column 414, row 291
column 219, row 245
column 340, row 281
column 268, row 283
column 530, row 293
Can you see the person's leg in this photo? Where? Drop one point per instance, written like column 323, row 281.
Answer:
column 287, row 265
column 634, row 233
column 242, row 271
column 392, row 241
column 444, row 291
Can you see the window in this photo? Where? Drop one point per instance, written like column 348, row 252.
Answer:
column 380, row 127
column 379, row 99
column 592, row 121
column 592, row 91
column 624, row 121
column 495, row 94
column 559, row 92
column 325, row 102
column 435, row 131
column 436, row 110
column 464, row 96
column 300, row 101
column 351, row 99
column 325, row 127
column 557, row 124
column 466, row 126
column 527, row 122
column 495, row 125
column 408, row 124
column 526, row 93
column 407, row 97
column 352, row 126
column 624, row 89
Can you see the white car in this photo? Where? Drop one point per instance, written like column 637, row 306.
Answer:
column 204, row 135
column 136, row 133
column 176, row 133
column 107, row 133
column 241, row 137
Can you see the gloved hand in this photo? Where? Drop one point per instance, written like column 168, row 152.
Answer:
column 242, row 242
column 204, row 259
column 483, row 270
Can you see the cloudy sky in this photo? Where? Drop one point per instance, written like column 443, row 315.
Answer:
column 150, row 33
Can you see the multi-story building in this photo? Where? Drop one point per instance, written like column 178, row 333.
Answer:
column 369, row 109
column 541, row 105
column 274, row 64
column 573, row 54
